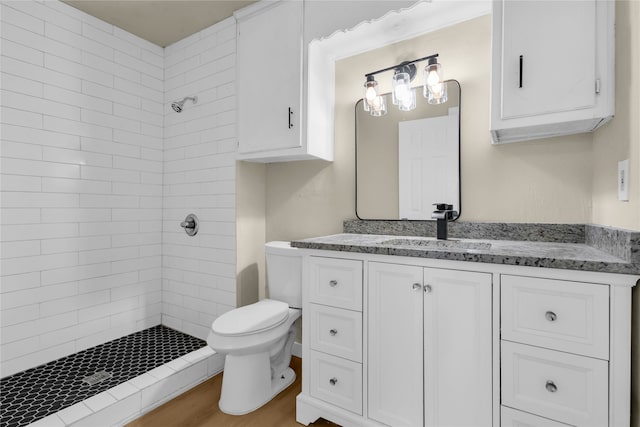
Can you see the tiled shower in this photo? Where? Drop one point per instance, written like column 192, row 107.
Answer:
column 97, row 173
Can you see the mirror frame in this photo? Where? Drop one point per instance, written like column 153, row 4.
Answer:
column 459, row 162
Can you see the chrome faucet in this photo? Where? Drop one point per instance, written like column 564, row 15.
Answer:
column 442, row 215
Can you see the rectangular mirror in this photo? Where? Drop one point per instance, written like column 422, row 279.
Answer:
column 408, row 160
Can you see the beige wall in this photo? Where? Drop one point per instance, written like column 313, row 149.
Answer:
column 250, row 231
column 620, row 138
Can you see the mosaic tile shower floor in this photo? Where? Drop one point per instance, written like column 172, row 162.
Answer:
column 27, row 396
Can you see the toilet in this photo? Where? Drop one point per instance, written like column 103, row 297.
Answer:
column 257, row 339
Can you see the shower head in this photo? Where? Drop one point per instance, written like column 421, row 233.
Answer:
column 178, row 105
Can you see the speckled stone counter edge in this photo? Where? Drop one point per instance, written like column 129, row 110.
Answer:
column 618, row 242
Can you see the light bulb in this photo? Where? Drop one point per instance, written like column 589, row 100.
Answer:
column 433, row 77
column 370, row 93
column 434, row 89
column 379, row 106
column 408, row 103
column 401, row 89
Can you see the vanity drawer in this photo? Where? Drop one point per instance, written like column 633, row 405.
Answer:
column 557, row 314
column 563, row 387
column 513, row 418
column 336, row 381
column 335, row 282
column 336, row 331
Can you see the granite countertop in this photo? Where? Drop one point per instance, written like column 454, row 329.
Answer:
column 571, row 256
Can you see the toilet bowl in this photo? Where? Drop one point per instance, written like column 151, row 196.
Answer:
column 257, row 339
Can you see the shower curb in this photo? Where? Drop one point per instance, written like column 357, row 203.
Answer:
column 134, row 398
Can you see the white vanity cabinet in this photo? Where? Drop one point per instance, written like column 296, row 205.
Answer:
column 404, row 341
column 429, row 346
column 269, row 84
column 552, row 68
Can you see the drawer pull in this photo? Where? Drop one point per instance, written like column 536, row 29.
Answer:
column 333, row 283
column 333, row 332
column 551, row 387
column 333, row 381
column 551, row 316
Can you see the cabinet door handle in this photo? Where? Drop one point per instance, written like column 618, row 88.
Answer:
column 550, row 316
column 427, row 289
column 333, row 332
column 521, row 65
column 333, row 381
column 333, row 283
column 551, row 387
column 416, row 286
column 290, row 115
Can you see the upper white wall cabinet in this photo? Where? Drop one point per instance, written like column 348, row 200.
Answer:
column 269, row 67
column 552, row 68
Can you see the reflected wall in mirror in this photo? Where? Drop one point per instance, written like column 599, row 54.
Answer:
column 408, row 160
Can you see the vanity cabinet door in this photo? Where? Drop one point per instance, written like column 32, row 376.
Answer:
column 552, row 68
column 429, row 347
column 395, row 346
column 457, row 348
column 269, row 67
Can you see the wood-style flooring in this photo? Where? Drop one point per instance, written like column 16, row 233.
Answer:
column 199, row 407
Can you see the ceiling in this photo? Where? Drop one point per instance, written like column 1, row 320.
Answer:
column 160, row 22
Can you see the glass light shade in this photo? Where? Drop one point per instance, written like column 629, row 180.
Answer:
column 401, row 88
column 370, row 93
column 379, row 106
column 434, row 89
column 409, row 103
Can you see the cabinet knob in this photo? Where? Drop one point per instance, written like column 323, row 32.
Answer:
column 333, row 332
column 333, row 283
column 333, row 381
column 416, row 286
column 551, row 316
column 427, row 289
column 551, row 387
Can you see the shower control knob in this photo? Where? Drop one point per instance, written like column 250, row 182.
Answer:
column 333, row 332
column 190, row 225
column 333, row 381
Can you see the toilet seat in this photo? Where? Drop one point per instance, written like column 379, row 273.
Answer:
column 253, row 318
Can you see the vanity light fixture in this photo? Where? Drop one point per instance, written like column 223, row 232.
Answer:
column 403, row 95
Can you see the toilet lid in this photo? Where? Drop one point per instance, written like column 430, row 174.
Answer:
column 251, row 318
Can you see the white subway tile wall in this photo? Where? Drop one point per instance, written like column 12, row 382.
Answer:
column 82, row 180
column 199, row 272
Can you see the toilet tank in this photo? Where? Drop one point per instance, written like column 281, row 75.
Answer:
column 284, row 273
